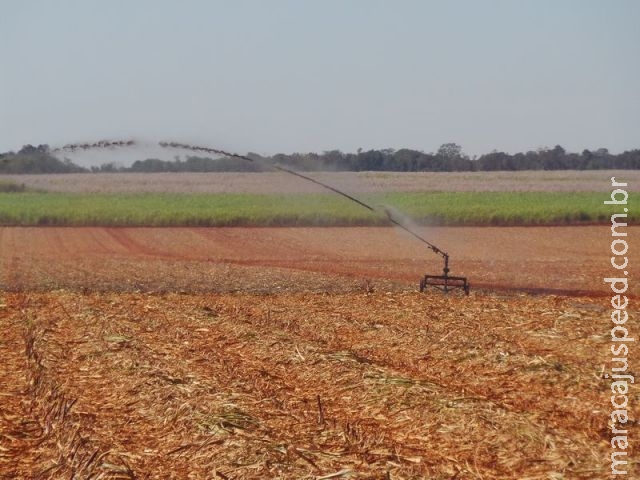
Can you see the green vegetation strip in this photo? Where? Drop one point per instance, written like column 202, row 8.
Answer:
column 434, row 208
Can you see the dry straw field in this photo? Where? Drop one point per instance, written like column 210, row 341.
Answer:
column 298, row 385
column 305, row 353
column 354, row 182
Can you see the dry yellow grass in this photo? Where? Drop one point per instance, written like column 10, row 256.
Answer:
column 354, row 182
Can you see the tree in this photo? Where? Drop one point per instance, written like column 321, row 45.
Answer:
column 450, row 150
column 494, row 161
column 406, row 160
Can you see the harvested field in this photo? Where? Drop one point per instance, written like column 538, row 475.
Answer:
column 303, row 386
column 544, row 259
column 354, row 182
column 305, row 353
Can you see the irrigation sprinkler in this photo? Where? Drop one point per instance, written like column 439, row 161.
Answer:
column 444, row 282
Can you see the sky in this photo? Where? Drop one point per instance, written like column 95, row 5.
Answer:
column 285, row 76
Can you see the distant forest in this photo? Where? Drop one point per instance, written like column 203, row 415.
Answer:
column 448, row 158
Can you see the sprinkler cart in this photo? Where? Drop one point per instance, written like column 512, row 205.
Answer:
column 444, row 282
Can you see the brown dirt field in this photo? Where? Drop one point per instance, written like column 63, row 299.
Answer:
column 304, row 386
column 306, row 353
column 550, row 259
column 354, row 182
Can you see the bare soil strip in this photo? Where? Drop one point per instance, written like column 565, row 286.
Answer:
column 541, row 259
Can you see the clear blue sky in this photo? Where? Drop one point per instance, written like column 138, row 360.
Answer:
column 285, row 76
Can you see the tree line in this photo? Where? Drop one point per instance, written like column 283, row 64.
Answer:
column 448, row 158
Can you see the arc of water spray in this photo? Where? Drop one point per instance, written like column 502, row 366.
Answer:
column 72, row 147
column 197, row 148
column 305, row 177
column 276, row 167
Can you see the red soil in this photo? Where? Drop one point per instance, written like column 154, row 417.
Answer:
column 551, row 259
